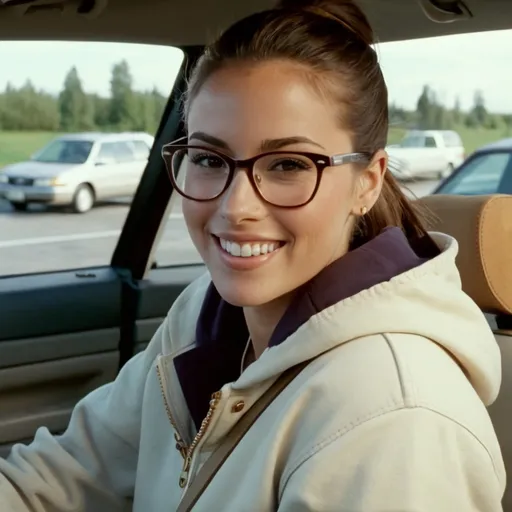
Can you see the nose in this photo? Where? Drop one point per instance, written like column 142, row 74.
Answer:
column 241, row 202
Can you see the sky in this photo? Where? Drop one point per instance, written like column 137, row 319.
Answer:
column 453, row 66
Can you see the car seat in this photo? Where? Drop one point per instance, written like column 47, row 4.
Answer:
column 482, row 225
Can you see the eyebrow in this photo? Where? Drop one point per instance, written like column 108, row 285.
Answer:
column 266, row 145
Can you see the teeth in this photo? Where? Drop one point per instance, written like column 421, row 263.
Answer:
column 235, row 249
column 247, row 250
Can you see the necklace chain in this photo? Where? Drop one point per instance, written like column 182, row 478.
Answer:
column 244, row 355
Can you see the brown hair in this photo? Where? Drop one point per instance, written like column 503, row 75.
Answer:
column 332, row 39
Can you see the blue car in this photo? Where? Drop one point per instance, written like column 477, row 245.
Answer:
column 487, row 171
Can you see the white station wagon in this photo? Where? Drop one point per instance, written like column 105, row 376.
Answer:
column 77, row 170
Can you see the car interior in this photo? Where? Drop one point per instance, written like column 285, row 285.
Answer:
column 62, row 334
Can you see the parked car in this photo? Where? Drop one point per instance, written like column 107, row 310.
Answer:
column 422, row 153
column 487, row 171
column 78, row 170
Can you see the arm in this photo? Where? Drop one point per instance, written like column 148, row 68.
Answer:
column 410, row 460
column 91, row 467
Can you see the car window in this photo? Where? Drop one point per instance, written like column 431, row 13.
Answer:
column 489, row 173
column 52, row 119
column 413, row 141
column 64, row 152
column 107, row 153
column 430, row 142
column 140, row 149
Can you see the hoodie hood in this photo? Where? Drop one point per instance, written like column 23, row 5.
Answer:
column 381, row 287
column 427, row 301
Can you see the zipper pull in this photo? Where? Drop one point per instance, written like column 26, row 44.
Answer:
column 184, row 472
column 180, row 445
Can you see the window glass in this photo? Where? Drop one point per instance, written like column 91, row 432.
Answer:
column 64, row 152
column 140, row 149
column 413, row 141
column 124, row 152
column 485, row 174
column 107, row 152
column 430, row 142
column 52, row 121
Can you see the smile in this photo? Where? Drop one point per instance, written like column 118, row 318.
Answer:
column 249, row 249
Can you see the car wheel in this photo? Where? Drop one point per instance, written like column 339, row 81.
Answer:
column 446, row 172
column 83, row 199
column 20, row 207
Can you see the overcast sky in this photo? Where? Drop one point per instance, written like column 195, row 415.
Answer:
column 454, row 65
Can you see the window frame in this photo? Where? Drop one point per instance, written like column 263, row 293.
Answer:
column 143, row 225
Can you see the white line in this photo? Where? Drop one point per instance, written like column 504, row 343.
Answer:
column 22, row 242
column 57, row 239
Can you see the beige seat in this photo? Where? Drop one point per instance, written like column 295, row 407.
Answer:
column 483, row 227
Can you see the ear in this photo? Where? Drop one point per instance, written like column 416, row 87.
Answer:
column 371, row 180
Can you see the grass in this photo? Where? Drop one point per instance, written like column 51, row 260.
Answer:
column 19, row 146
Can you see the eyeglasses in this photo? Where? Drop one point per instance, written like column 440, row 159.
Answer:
column 288, row 179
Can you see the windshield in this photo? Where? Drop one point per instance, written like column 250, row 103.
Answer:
column 413, row 141
column 65, row 152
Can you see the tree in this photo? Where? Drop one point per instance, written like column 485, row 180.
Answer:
column 123, row 104
column 28, row 109
column 76, row 109
column 456, row 112
column 479, row 112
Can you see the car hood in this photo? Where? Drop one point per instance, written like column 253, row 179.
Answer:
column 31, row 169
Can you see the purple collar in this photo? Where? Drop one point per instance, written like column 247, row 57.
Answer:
column 221, row 332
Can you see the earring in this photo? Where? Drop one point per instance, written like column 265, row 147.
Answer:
column 364, row 211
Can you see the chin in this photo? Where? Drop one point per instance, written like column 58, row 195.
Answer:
column 243, row 291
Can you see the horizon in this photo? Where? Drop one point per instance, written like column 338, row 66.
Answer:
column 446, row 64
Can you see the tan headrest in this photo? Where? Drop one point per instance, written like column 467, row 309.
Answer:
column 482, row 225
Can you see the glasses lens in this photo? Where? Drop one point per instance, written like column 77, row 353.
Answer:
column 198, row 173
column 286, row 179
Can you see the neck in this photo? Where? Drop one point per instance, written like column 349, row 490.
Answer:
column 262, row 320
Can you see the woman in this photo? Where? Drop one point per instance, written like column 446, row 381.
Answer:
column 314, row 254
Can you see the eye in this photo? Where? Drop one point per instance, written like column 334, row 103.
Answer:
column 290, row 164
column 207, row 160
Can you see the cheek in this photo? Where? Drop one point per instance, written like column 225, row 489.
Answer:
column 196, row 217
column 322, row 224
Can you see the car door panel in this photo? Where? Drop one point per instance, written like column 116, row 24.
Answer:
column 44, row 394
column 71, row 337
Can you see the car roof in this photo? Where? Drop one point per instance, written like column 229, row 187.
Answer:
column 505, row 144
column 195, row 22
column 429, row 132
column 106, row 137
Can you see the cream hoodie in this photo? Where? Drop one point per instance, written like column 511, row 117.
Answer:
column 390, row 416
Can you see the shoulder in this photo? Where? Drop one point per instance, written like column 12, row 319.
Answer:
column 376, row 376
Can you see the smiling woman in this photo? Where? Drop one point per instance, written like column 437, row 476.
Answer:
column 330, row 328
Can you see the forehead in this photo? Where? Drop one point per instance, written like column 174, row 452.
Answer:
column 244, row 104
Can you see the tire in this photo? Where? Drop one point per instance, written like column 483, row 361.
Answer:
column 20, row 207
column 444, row 174
column 83, row 200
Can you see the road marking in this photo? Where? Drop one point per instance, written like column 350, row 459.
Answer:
column 57, row 239
column 22, row 242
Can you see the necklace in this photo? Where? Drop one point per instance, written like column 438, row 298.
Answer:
column 248, row 349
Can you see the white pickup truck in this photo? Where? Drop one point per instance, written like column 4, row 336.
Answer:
column 422, row 153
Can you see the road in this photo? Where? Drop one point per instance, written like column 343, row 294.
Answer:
column 43, row 240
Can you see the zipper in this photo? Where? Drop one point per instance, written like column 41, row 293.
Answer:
column 180, row 444
column 185, row 473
